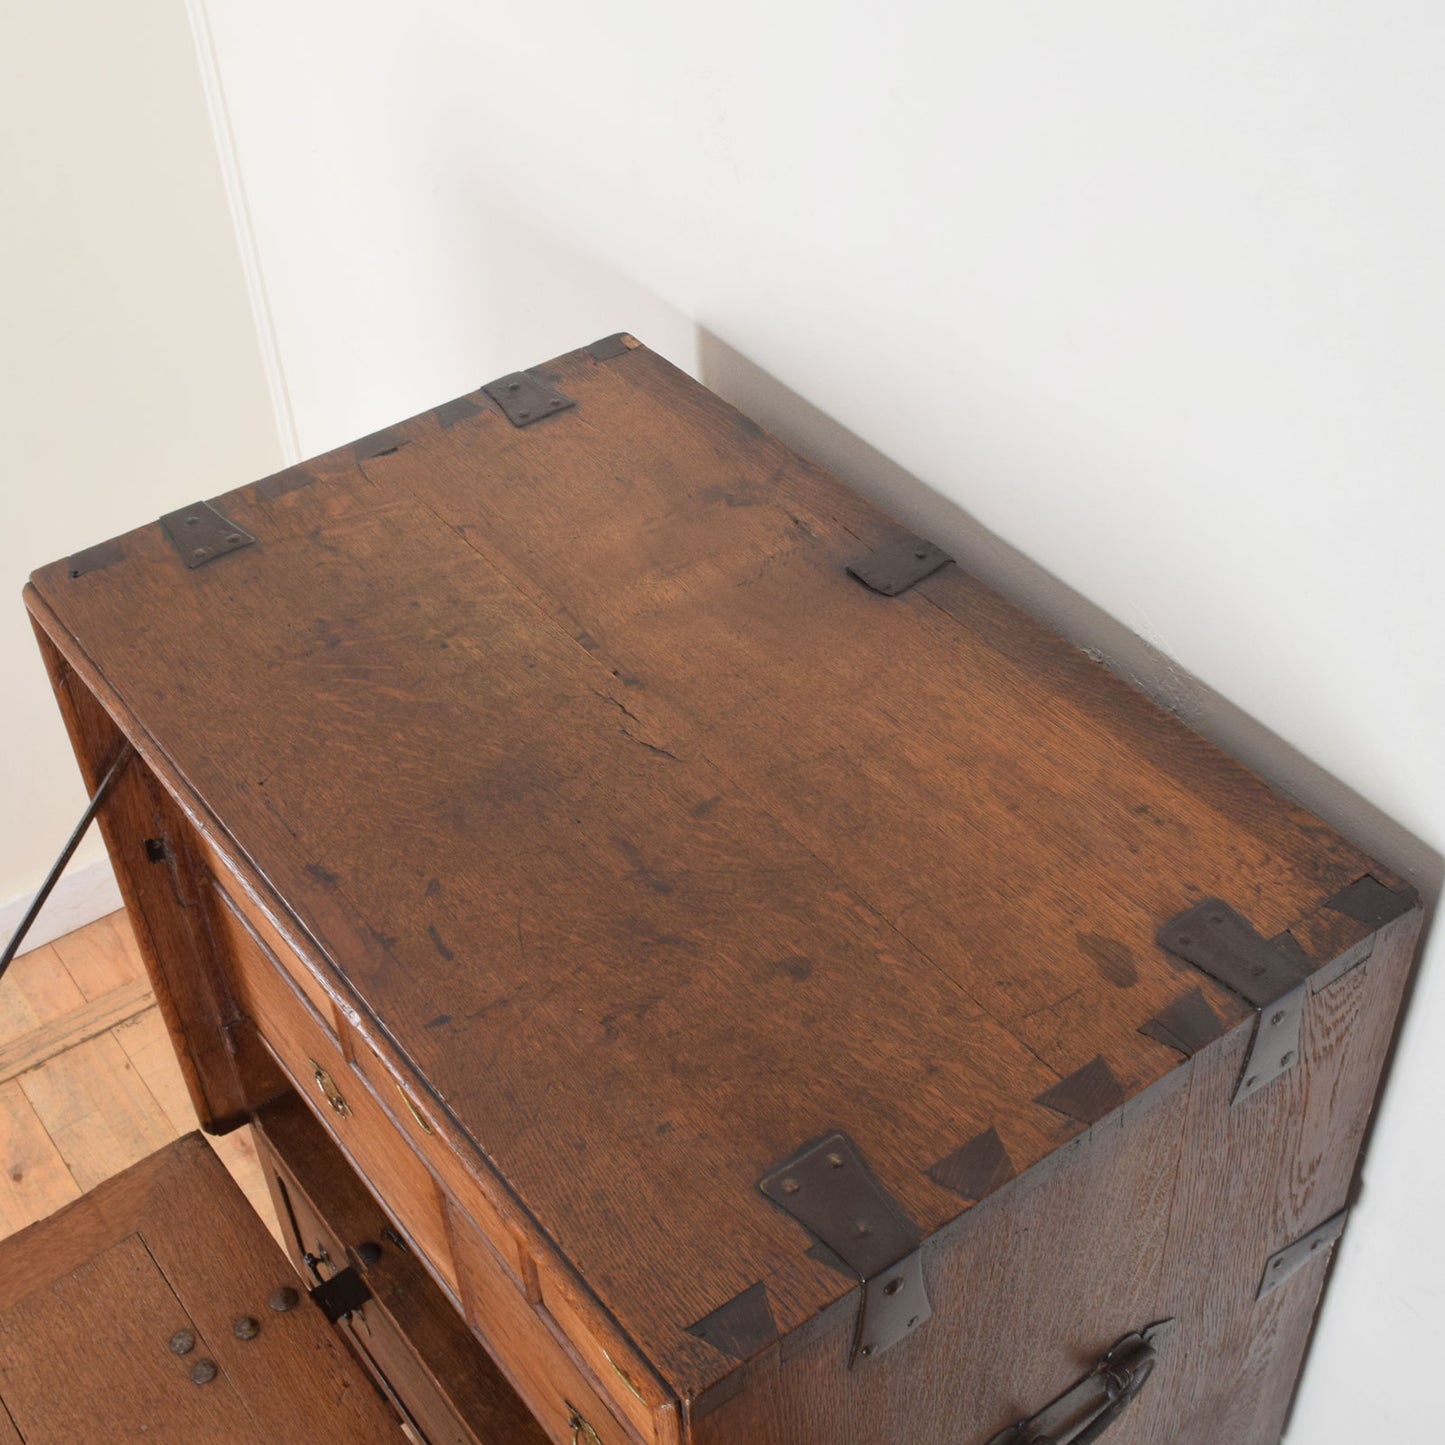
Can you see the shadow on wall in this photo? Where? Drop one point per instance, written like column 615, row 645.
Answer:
column 988, row 557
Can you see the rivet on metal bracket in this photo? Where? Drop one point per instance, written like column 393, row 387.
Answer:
column 1271, row 974
column 525, row 398
column 1293, row 1258
column 830, row 1191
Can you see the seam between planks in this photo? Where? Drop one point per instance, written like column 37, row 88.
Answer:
column 75, row 1027
column 528, row 593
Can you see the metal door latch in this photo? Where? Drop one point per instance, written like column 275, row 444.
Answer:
column 340, row 1295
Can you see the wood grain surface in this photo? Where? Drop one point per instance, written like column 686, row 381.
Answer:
column 439, row 1373
column 649, row 843
column 88, row 985
column 91, row 1297
column 1169, row 1210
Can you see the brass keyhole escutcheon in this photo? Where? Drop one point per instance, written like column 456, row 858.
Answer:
column 582, row 1432
column 327, row 1085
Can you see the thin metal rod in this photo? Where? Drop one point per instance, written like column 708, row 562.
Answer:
column 38, row 902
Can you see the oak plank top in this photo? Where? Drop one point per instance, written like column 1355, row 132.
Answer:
column 657, row 844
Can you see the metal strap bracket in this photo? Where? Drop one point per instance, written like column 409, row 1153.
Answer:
column 1271, row 974
column 525, row 398
column 1293, row 1257
column 898, row 565
column 831, row 1192
column 200, row 534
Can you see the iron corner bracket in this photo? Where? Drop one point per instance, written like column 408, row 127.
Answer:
column 524, row 398
column 200, row 534
column 832, row 1193
column 1272, row 975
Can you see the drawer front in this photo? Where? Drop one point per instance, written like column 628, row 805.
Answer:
column 266, row 930
column 634, row 1395
column 431, row 1138
column 409, row 1335
column 337, row 1094
column 630, row 1389
column 540, row 1365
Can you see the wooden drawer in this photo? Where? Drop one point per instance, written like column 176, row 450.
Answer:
column 629, row 1387
column 382, row 1112
column 409, row 1334
column 338, row 1095
column 431, row 1138
column 547, row 1374
column 282, row 948
column 634, row 1393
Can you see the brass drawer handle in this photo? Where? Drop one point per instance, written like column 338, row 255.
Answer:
column 415, row 1113
column 582, row 1432
column 327, row 1085
column 623, row 1376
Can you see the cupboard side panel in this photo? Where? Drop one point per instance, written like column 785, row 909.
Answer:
column 1169, row 1210
column 1255, row 1178
column 161, row 878
column 1028, row 1290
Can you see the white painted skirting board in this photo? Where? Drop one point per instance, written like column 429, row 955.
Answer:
column 82, row 895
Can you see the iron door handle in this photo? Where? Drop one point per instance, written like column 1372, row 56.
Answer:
column 1088, row 1409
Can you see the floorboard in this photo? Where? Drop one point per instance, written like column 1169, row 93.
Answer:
column 88, row 1081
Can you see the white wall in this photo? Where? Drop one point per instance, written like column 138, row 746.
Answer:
column 130, row 377
column 1152, row 291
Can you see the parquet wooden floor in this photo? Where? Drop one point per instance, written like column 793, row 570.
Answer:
column 88, row 1082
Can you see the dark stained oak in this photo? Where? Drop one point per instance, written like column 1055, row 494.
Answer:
column 1167, row 1210
column 622, row 843
column 419, row 1348
column 91, row 1298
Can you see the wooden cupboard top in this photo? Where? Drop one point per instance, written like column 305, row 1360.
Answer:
column 653, row 844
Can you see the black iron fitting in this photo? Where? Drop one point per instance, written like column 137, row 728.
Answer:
column 1086, row 1411
column 525, row 398
column 341, row 1295
column 898, row 565
column 1272, row 975
column 200, row 534
column 832, row 1193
